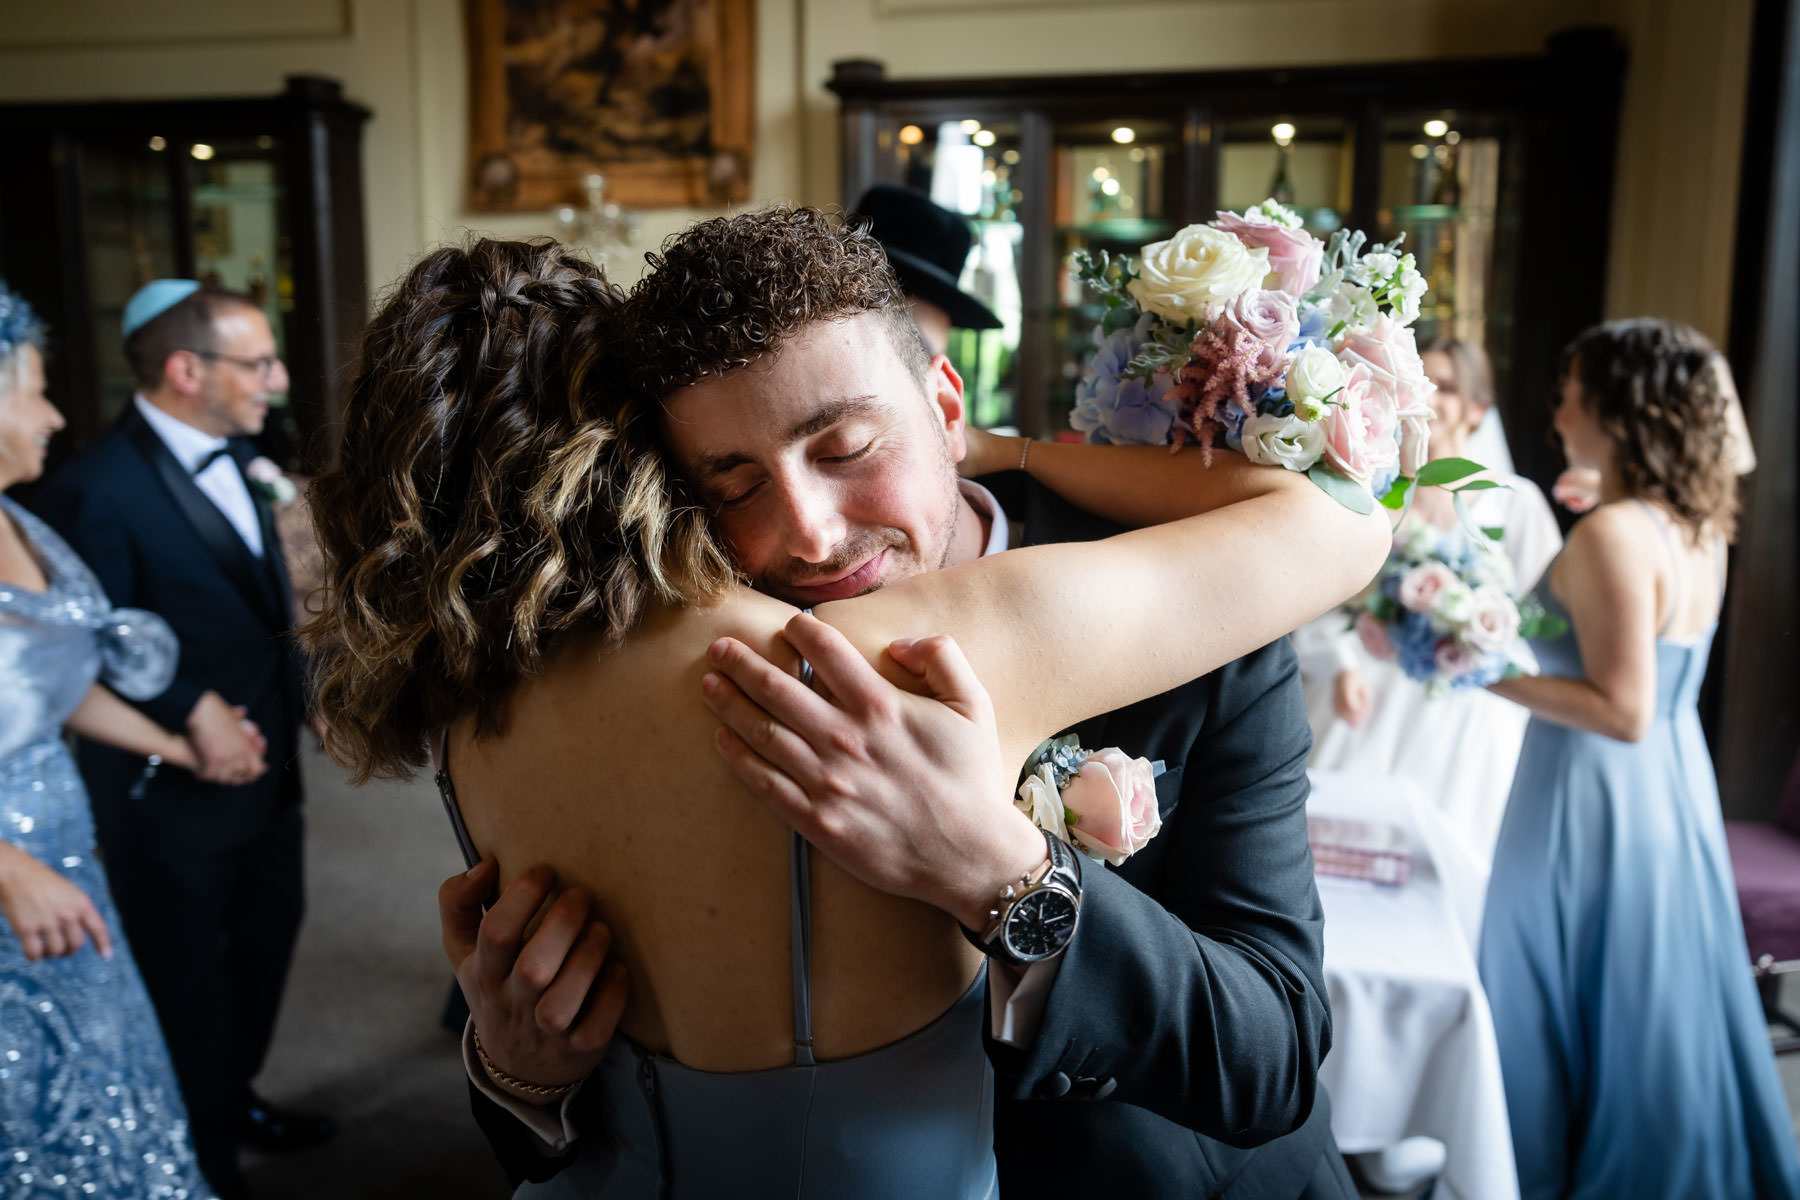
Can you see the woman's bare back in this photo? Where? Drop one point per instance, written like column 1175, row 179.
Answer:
column 605, row 769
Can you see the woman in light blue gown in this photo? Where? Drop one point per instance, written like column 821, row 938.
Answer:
column 89, row 1105
column 1634, row 1051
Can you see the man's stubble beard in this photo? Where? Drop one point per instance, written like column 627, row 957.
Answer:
column 863, row 545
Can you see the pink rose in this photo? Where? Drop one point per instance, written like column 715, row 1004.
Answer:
column 1112, row 805
column 1359, row 426
column 1294, row 254
column 1388, row 349
column 1493, row 620
column 1424, row 587
column 1454, row 658
column 1374, row 637
column 1272, row 318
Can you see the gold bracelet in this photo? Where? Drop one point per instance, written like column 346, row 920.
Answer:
column 513, row 1081
column 1024, row 453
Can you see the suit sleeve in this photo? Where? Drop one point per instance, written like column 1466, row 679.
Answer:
column 97, row 533
column 1198, row 992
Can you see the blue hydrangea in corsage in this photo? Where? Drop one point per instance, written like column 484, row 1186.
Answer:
column 270, row 482
column 1102, row 802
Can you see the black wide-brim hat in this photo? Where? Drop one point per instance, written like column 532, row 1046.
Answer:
column 927, row 245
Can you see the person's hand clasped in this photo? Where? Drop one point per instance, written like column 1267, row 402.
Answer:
column 989, row 452
column 229, row 744
column 545, row 1002
column 49, row 915
column 908, row 793
column 1351, row 698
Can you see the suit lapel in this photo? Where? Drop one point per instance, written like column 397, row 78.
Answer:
column 273, row 565
column 215, row 532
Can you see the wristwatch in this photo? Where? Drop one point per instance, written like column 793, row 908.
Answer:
column 1035, row 917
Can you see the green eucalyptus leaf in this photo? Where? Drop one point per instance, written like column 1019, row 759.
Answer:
column 1396, row 496
column 1494, row 532
column 1440, row 471
column 1344, row 490
column 1480, row 485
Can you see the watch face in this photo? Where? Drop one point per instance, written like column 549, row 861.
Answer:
column 1040, row 924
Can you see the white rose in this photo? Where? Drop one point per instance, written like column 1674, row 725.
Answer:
column 1192, row 275
column 1455, row 605
column 1312, row 376
column 1283, row 441
column 1421, row 541
column 1415, row 439
column 1492, row 567
column 1493, row 621
column 1040, row 800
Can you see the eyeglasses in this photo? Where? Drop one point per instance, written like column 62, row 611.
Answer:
column 263, row 364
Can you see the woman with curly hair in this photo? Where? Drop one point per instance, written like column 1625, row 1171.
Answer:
column 1634, row 1051
column 516, row 580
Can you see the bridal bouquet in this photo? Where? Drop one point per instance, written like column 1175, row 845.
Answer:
column 1247, row 332
column 1442, row 610
column 1101, row 802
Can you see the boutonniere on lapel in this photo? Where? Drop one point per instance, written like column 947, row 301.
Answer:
column 269, row 481
column 1102, row 802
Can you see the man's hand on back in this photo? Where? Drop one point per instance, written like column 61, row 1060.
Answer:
column 908, row 793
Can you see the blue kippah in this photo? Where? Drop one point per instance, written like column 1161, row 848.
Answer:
column 19, row 326
column 153, row 300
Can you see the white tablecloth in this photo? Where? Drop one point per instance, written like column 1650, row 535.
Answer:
column 1413, row 1047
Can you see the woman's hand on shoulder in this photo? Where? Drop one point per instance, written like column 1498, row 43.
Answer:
column 50, row 915
column 544, row 1006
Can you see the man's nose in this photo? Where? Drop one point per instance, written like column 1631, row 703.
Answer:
column 812, row 525
column 278, row 377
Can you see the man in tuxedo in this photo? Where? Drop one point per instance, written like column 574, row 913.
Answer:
column 1171, row 1047
column 206, row 869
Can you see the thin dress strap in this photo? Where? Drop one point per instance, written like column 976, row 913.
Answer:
column 1668, row 553
column 800, row 928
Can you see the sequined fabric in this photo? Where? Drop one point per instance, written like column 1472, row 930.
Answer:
column 89, row 1105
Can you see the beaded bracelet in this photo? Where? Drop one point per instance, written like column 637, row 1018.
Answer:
column 513, row 1081
column 1024, row 453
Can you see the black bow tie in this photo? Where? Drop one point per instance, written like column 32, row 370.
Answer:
column 212, row 457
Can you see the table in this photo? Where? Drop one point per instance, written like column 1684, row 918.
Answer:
column 1413, row 1049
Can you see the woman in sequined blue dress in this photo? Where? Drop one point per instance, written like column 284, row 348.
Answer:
column 89, row 1105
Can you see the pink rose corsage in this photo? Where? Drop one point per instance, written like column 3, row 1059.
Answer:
column 1102, row 802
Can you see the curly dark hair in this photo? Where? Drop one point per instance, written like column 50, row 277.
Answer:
column 1654, row 387
column 495, row 490
column 725, row 292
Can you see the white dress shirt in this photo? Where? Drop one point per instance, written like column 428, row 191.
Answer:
column 222, row 481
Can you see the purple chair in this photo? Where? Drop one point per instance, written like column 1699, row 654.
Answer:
column 1766, row 861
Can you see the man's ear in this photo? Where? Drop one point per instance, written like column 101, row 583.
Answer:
column 181, row 371
column 945, row 387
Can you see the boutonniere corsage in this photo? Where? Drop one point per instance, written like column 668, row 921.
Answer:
column 268, row 479
column 1102, row 802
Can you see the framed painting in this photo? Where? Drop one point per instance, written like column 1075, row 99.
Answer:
column 656, row 95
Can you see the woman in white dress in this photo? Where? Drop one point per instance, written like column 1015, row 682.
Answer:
column 1366, row 716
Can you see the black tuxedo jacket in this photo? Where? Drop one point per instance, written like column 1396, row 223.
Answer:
column 155, row 540
column 1178, row 1052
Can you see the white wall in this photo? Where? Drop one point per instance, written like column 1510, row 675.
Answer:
column 1671, row 237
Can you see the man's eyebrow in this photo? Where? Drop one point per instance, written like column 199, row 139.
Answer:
column 829, row 414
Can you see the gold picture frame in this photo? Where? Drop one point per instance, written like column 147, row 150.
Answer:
column 656, row 95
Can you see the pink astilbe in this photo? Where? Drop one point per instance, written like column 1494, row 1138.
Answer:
column 1225, row 363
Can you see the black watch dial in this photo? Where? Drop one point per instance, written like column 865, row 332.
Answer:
column 1040, row 924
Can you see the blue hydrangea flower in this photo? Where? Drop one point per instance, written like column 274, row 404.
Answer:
column 1116, row 411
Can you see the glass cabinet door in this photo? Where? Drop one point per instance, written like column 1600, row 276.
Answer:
column 1112, row 187
column 1305, row 162
column 1444, row 184
column 970, row 165
column 160, row 207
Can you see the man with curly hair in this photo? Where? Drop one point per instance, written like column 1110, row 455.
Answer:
column 1170, row 1047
